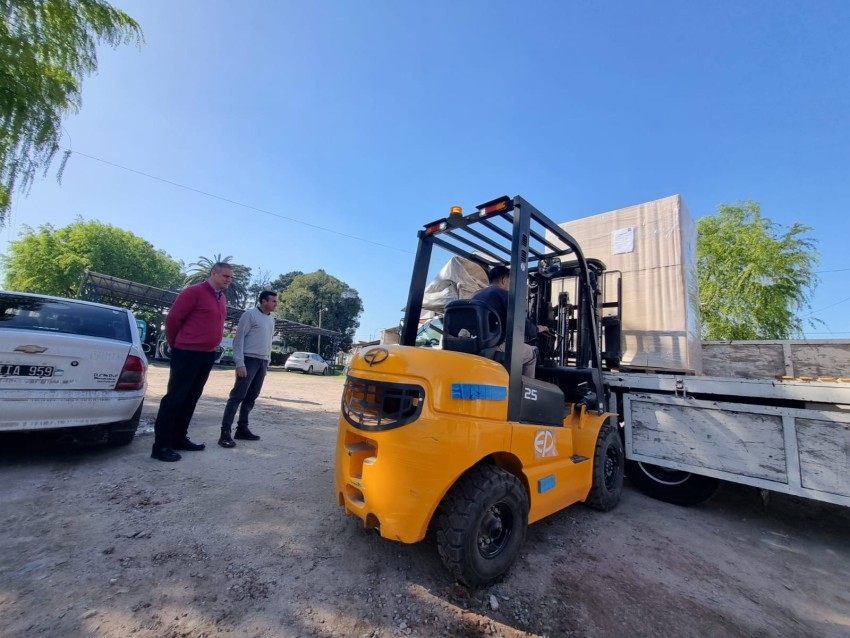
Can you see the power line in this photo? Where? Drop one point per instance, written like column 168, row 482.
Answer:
column 826, row 307
column 235, row 203
column 272, row 213
column 316, row 226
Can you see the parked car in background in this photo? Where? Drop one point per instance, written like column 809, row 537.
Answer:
column 223, row 353
column 70, row 365
column 308, row 362
column 430, row 333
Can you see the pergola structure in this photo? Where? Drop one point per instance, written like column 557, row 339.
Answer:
column 95, row 286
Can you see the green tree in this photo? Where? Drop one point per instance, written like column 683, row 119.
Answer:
column 51, row 261
column 47, row 47
column 260, row 281
column 283, row 281
column 237, row 292
column 306, row 295
column 754, row 279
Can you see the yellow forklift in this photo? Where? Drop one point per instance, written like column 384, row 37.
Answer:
column 455, row 439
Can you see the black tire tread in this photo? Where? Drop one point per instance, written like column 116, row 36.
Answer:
column 121, row 437
column 460, row 504
column 692, row 490
column 125, row 435
column 600, row 497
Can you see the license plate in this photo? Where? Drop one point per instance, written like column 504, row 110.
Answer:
column 17, row 370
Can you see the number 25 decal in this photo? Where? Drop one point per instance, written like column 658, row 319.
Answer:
column 530, row 394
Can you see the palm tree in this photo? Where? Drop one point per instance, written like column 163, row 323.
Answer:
column 237, row 292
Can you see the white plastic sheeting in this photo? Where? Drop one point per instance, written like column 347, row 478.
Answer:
column 458, row 279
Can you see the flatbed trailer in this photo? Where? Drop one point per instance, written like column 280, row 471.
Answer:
column 682, row 433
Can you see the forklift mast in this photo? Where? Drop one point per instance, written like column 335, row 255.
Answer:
column 546, row 265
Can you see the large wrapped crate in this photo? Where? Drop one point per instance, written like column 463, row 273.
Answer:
column 653, row 246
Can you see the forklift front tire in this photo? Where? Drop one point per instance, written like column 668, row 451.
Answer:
column 608, row 470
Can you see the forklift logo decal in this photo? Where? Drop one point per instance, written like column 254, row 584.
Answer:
column 376, row 356
column 544, row 444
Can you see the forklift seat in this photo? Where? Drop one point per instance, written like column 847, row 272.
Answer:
column 471, row 326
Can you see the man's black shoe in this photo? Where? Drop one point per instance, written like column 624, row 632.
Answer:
column 242, row 432
column 165, row 454
column 226, row 440
column 188, row 446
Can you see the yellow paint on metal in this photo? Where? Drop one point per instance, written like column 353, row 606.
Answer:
column 394, row 479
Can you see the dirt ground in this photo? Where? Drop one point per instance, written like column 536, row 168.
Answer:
column 250, row 542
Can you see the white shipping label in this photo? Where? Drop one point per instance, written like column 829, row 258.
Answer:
column 623, row 241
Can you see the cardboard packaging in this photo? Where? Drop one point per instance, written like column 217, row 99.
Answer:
column 653, row 246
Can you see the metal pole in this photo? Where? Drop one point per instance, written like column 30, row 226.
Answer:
column 319, row 347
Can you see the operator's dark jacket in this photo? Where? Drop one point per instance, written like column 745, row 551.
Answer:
column 497, row 298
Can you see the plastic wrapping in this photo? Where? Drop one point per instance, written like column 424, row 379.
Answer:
column 458, row 279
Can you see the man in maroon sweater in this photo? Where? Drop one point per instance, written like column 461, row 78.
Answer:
column 193, row 329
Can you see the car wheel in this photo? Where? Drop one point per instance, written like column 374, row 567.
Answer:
column 326, row 371
column 123, row 433
column 124, row 437
column 482, row 525
column 310, row 370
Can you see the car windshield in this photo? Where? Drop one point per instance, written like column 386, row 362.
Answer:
column 430, row 333
column 301, row 355
column 54, row 315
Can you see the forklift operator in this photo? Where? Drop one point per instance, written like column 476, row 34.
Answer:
column 496, row 296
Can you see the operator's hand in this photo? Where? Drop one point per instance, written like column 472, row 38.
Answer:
column 241, row 371
column 542, row 329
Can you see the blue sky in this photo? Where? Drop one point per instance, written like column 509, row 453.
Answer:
column 324, row 134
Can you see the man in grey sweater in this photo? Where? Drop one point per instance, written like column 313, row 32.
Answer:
column 252, row 348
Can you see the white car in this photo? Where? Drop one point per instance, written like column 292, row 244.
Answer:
column 308, row 362
column 70, row 364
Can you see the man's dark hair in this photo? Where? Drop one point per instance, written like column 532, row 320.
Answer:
column 266, row 294
column 497, row 272
column 221, row 265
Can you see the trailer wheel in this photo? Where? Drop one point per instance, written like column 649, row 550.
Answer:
column 671, row 486
column 608, row 470
column 482, row 525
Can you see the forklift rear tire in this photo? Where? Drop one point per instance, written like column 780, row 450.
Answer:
column 608, row 470
column 671, row 486
column 482, row 525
